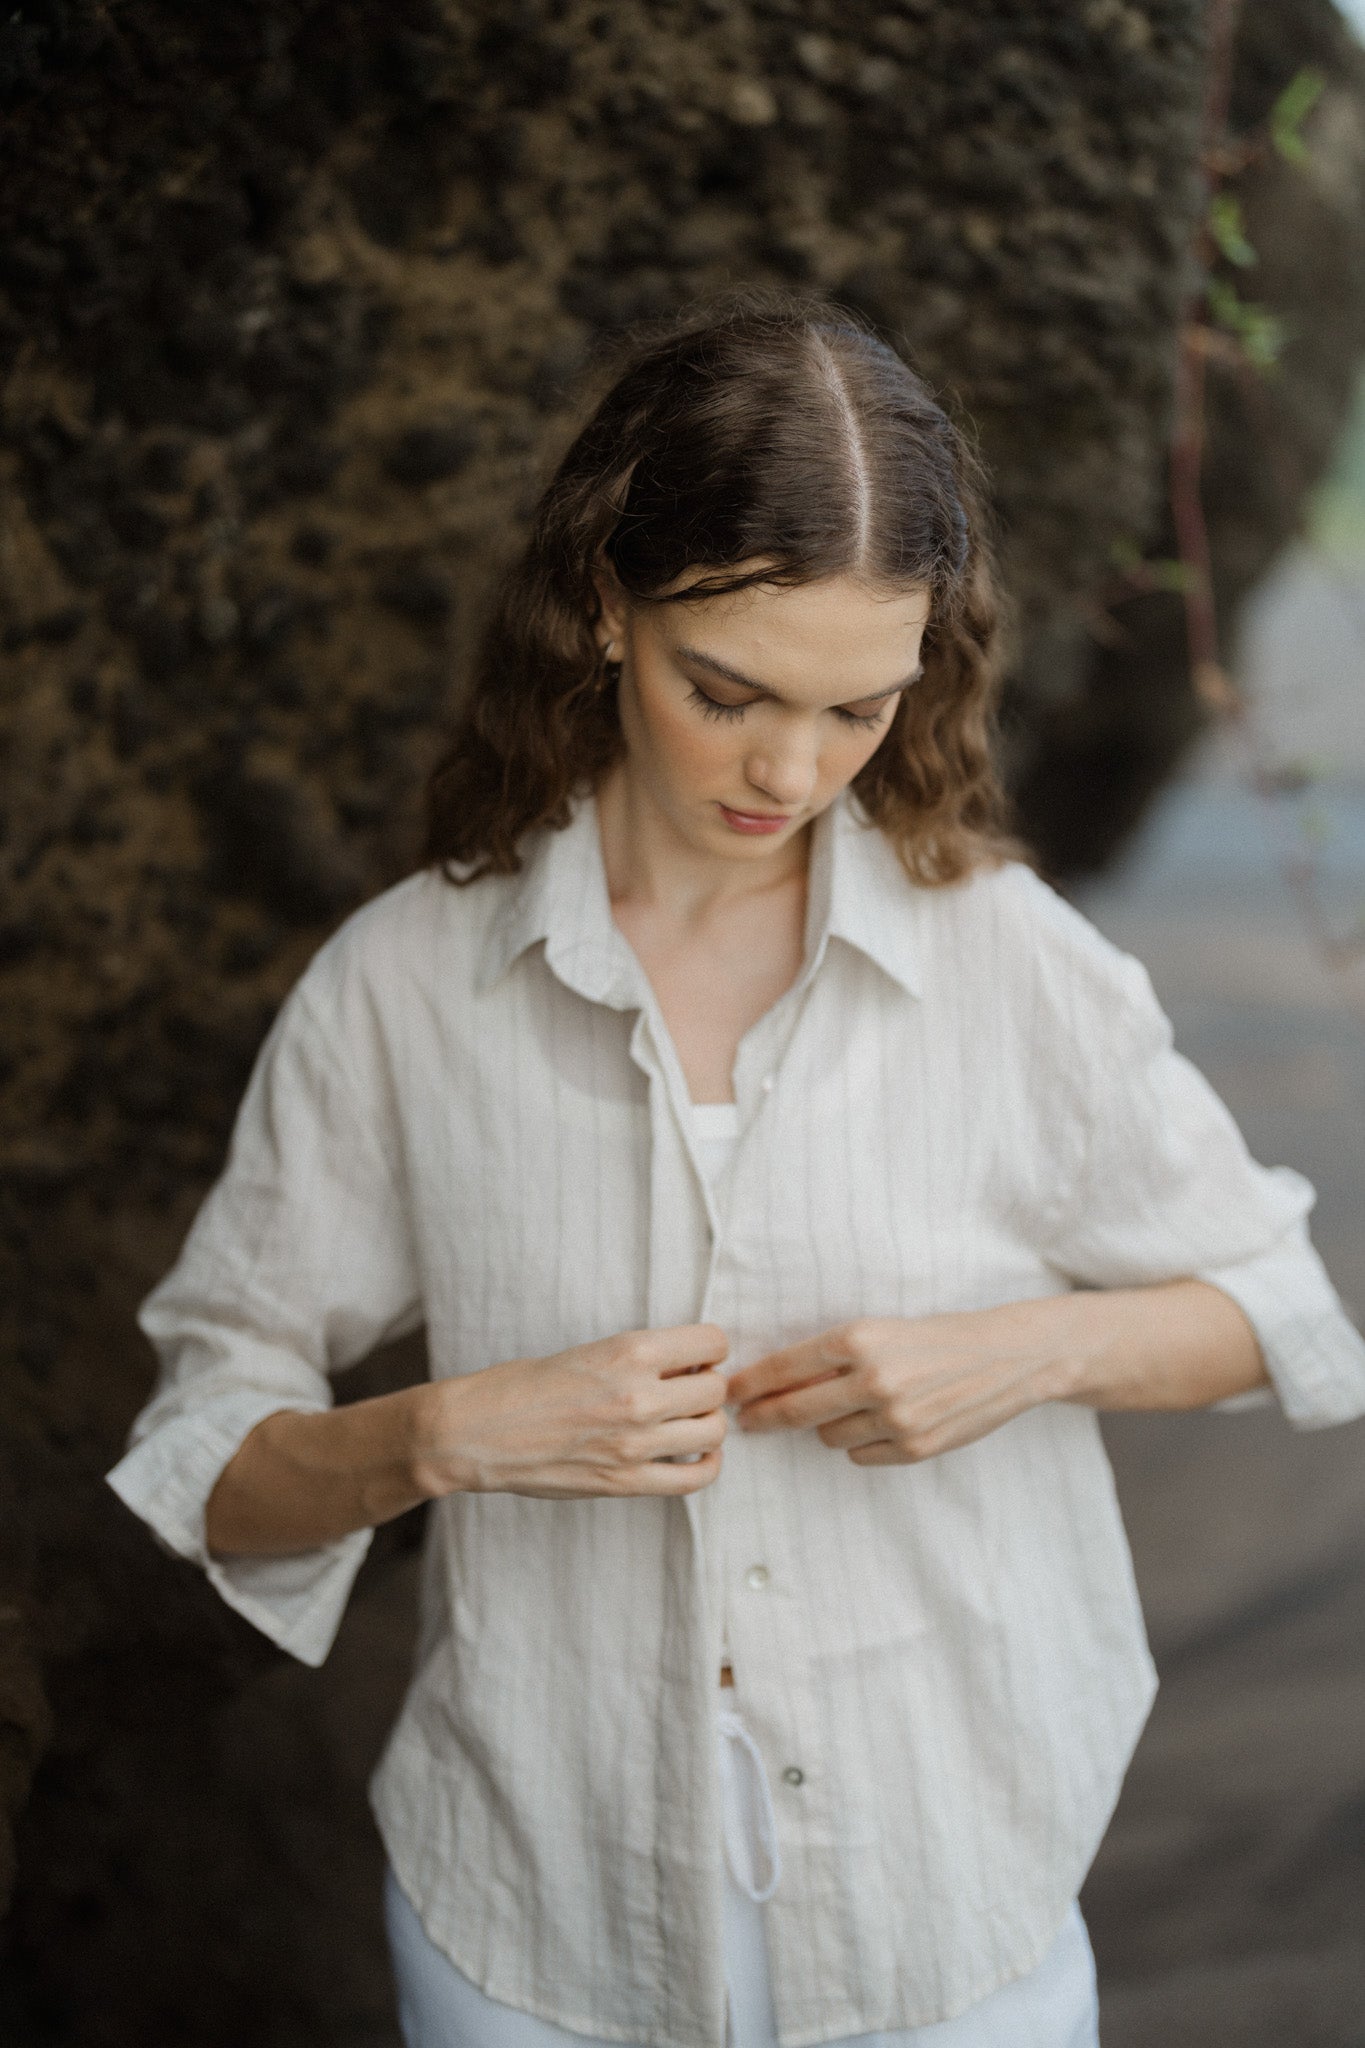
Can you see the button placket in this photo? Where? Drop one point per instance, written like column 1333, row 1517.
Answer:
column 682, row 1241
column 766, row 1044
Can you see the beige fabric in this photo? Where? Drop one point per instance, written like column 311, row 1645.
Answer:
column 469, row 1114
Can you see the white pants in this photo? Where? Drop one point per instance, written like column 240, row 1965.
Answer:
column 1055, row 2006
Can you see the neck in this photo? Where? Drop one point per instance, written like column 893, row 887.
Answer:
column 648, row 862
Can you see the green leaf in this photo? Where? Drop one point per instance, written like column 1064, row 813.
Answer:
column 1261, row 333
column 1225, row 226
column 1292, row 109
column 1263, row 338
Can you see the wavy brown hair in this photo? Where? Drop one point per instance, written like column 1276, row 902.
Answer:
column 771, row 430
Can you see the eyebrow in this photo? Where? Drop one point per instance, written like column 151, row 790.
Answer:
column 733, row 675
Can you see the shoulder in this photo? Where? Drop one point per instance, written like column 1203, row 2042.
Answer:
column 1034, row 916
column 422, row 934
column 1029, row 941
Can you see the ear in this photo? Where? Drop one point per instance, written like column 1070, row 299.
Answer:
column 614, row 604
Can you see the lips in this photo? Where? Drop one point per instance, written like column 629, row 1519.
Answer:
column 755, row 821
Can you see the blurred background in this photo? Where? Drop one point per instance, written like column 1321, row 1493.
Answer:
column 1226, row 1903
column 297, row 305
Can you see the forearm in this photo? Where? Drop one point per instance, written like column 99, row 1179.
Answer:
column 302, row 1479
column 1183, row 1344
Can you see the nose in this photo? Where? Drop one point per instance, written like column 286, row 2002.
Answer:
column 786, row 771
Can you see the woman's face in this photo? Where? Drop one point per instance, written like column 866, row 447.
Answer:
column 745, row 715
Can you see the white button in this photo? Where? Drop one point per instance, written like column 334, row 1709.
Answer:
column 794, row 1775
column 757, row 1575
column 768, row 1081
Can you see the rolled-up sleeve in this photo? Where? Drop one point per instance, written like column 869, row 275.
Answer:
column 1165, row 1188
column 298, row 1263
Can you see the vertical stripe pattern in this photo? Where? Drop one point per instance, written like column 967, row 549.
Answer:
column 469, row 1117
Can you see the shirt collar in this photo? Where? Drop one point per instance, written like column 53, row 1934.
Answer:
column 561, row 897
column 859, row 893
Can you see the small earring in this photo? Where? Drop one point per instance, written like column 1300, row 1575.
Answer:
column 611, row 667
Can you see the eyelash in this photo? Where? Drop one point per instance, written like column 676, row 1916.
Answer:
column 711, row 707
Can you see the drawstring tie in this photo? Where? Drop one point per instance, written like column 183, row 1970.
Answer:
column 739, row 1850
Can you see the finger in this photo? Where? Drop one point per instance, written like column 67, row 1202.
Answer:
column 965, row 1423
column 793, row 1366
column 684, row 1348
column 681, row 1439
column 693, row 1393
column 805, row 1407
column 864, row 1427
column 658, row 1476
column 962, row 1424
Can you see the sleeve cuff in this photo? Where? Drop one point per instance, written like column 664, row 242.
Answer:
column 1313, row 1353
column 166, row 1479
column 1254, row 1397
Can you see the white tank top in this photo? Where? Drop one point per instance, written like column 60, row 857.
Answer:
column 715, row 1133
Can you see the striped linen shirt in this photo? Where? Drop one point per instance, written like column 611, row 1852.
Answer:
column 469, row 1115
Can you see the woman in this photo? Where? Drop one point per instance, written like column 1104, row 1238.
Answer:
column 784, row 1177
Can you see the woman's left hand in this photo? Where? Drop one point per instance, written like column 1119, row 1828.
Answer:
column 891, row 1391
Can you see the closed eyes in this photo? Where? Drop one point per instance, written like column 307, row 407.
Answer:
column 711, row 707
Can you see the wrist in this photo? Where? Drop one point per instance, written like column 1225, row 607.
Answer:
column 1066, row 1339
column 434, row 1460
column 415, row 1439
column 385, row 1454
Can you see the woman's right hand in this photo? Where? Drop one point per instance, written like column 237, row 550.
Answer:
column 602, row 1418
